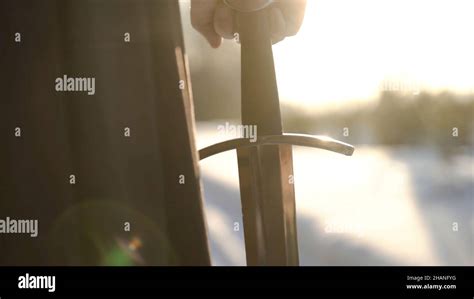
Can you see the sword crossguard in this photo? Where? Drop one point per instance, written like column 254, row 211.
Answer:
column 322, row 142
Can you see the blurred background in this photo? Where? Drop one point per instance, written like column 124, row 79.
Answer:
column 395, row 78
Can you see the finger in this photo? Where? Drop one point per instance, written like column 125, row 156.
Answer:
column 223, row 21
column 202, row 19
column 293, row 12
column 277, row 38
column 278, row 25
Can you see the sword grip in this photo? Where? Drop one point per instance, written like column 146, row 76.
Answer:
column 260, row 104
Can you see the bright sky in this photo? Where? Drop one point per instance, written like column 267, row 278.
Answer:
column 346, row 50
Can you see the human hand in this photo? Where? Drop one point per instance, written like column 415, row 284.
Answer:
column 214, row 20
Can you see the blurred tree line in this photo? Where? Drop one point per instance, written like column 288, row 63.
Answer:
column 443, row 119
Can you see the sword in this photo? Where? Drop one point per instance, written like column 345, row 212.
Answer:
column 266, row 166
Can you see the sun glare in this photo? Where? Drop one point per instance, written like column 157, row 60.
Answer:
column 348, row 51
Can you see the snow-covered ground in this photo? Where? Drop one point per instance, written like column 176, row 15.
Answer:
column 382, row 206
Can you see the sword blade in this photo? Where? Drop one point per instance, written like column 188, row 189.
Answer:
column 268, row 199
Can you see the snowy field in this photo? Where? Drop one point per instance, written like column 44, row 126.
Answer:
column 382, row 206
